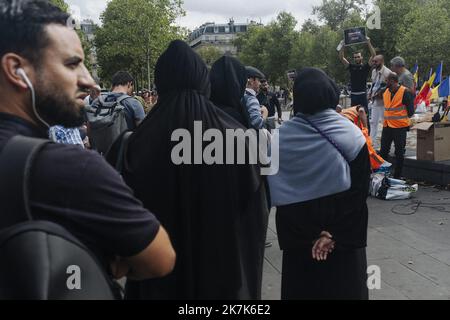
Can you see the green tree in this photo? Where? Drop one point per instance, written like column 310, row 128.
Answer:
column 269, row 47
column 318, row 50
column 62, row 4
column 427, row 40
column 209, row 54
column 279, row 47
column 310, row 26
column 134, row 34
column 393, row 21
column 335, row 12
column 251, row 46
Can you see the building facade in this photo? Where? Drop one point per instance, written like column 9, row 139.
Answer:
column 220, row 36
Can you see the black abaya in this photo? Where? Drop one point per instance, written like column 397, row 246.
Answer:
column 228, row 82
column 215, row 214
column 345, row 215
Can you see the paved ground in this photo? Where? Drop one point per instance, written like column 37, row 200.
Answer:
column 412, row 251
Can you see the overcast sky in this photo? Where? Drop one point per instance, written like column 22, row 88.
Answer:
column 219, row 11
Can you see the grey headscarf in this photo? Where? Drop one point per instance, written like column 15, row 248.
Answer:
column 311, row 167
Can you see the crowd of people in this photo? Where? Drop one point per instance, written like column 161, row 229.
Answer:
column 190, row 231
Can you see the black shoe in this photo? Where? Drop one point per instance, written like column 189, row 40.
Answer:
column 269, row 244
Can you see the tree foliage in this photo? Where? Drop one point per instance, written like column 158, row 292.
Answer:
column 61, row 4
column 334, row 13
column 134, row 34
column 419, row 30
column 427, row 40
column 209, row 54
column 269, row 47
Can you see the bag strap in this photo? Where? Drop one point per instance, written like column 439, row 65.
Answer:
column 16, row 161
column 323, row 134
column 122, row 98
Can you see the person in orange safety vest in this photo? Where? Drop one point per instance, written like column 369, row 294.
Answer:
column 358, row 116
column 398, row 109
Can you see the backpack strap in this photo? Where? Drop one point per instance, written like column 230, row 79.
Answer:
column 16, row 161
column 122, row 98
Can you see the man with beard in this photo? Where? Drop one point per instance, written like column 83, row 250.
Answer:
column 359, row 72
column 43, row 82
column 270, row 101
column 380, row 73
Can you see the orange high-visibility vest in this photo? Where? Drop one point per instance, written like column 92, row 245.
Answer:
column 353, row 115
column 395, row 112
column 375, row 160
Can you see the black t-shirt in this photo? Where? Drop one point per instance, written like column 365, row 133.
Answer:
column 78, row 190
column 270, row 101
column 358, row 76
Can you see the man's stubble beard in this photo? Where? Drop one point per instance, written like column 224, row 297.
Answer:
column 56, row 108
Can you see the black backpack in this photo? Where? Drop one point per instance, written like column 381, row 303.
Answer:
column 107, row 121
column 40, row 260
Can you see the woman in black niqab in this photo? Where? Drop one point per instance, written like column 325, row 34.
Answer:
column 228, row 81
column 205, row 208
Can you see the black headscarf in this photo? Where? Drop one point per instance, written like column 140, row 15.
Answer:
column 228, row 81
column 314, row 91
column 201, row 206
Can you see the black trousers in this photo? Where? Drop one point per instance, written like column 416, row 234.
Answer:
column 362, row 100
column 398, row 136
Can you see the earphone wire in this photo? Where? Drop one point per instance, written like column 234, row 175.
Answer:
column 33, row 99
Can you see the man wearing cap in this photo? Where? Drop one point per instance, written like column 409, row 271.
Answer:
column 405, row 77
column 256, row 114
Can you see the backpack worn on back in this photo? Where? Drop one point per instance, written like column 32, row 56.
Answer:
column 40, row 260
column 107, row 120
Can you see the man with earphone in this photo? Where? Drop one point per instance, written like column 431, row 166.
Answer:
column 43, row 82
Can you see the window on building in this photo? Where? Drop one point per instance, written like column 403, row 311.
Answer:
column 216, row 29
column 221, row 29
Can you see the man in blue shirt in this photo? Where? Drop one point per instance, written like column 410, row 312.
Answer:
column 257, row 115
column 122, row 84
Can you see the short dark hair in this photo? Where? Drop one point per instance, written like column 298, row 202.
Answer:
column 121, row 78
column 23, row 22
column 393, row 77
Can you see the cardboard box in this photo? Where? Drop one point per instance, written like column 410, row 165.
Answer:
column 433, row 141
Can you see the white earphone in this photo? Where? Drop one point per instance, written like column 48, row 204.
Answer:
column 20, row 72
